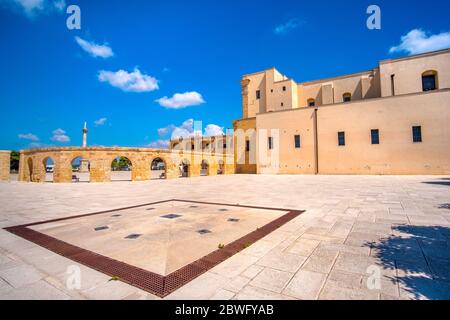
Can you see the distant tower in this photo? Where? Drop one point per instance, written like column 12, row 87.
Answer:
column 85, row 131
column 84, row 163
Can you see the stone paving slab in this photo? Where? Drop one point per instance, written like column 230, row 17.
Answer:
column 399, row 224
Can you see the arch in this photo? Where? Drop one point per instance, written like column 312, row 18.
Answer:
column 121, row 169
column 430, row 80
column 184, row 168
column 158, row 168
column 29, row 170
column 204, row 168
column 81, row 169
column 347, row 97
column 48, row 169
column 311, row 102
column 220, row 167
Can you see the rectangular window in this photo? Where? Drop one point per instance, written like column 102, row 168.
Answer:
column 393, row 84
column 429, row 83
column 417, row 133
column 258, row 94
column 375, row 134
column 341, row 138
column 270, row 140
column 282, row 104
column 224, row 145
column 192, row 146
column 247, row 145
column 284, row 88
column 297, row 141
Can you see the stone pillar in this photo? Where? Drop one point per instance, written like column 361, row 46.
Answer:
column 62, row 172
column 141, row 170
column 5, row 163
column 100, row 170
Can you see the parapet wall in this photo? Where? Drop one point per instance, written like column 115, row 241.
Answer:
column 5, row 160
column 32, row 167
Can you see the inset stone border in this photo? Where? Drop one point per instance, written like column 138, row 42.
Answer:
column 154, row 283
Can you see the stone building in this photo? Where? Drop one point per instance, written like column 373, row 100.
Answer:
column 393, row 119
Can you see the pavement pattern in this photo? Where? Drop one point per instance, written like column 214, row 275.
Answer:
column 361, row 237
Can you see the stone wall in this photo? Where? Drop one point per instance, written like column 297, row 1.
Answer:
column 33, row 162
column 5, row 159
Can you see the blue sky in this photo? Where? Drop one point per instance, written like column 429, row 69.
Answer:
column 180, row 60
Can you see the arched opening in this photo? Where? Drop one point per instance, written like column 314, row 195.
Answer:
column 430, row 80
column 49, row 169
column 184, row 168
column 14, row 163
column 81, row 170
column 29, row 171
column 158, row 169
column 204, row 171
column 311, row 102
column 347, row 97
column 121, row 169
column 221, row 167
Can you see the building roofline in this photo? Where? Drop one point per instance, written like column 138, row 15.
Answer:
column 416, row 56
column 349, row 75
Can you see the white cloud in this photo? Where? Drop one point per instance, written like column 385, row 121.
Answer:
column 100, row 121
column 287, row 27
column 213, row 130
column 129, row 81
column 59, row 135
column 32, row 8
column 159, row 144
column 418, row 41
column 95, row 50
column 181, row 100
column 28, row 136
column 190, row 128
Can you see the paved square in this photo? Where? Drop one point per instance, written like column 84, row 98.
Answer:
column 356, row 229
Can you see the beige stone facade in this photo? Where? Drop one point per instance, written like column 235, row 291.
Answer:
column 5, row 159
column 376, row 111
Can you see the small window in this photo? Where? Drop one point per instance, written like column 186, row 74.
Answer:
column 271, row 90
column 341, row 138
column 270, row 141
column 311, row 103
column 375, row 135
column 417, row 133
column 192, row 146
column 282, row 104
column 284, row 88
column 297, row 141
column 247, row 145
column 224, row 146
column 429, row 80
column 258, row 94
column 393, row 84
column 347, row 97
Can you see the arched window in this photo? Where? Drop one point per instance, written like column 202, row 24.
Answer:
column 311, row 102
column 429, row 80
column 347, row 97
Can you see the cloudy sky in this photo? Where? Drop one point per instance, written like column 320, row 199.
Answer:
column 141, row 71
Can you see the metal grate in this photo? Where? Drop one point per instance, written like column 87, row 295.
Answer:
column 204, row 231
column 233, row 220
column 116, row 215
column 223, row 210
column 133, row 236
column 146, row 280
column 149, row 209
column 171, row 216
column 101, row 228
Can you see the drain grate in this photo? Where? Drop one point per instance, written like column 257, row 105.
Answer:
column 133, row 236
column 171, row 216
column 193, row 207
column 149, row 209
column 233, row 220
column 101, row 228
column 116, row 215
column 224, row 210
column 204, row 231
